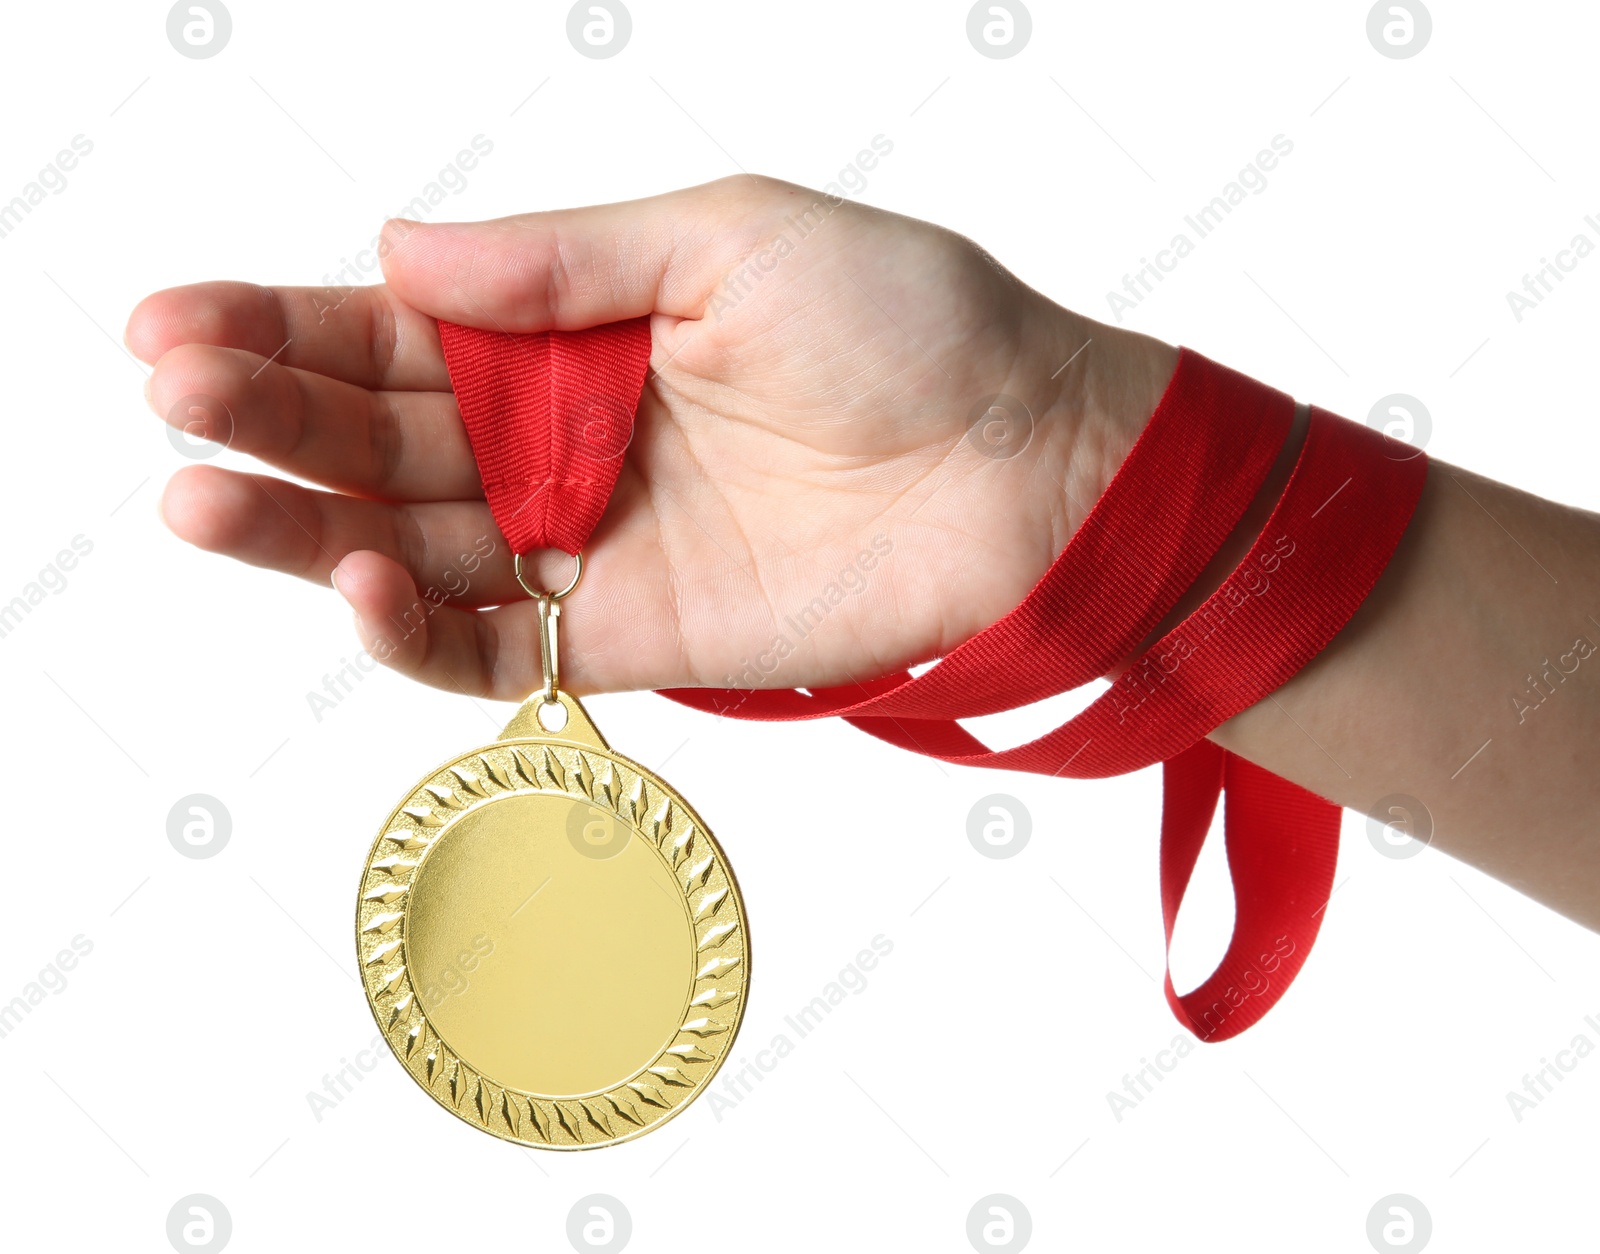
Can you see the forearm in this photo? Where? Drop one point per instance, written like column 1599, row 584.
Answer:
column 1469, row 680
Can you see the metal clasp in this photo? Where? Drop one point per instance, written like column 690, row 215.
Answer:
column 549, row 616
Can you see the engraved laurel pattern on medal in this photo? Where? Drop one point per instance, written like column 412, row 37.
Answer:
column 715, row 1003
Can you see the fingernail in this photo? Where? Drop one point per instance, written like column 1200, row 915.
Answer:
column 333, row 578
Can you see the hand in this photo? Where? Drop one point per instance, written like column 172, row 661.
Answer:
column 801, row 504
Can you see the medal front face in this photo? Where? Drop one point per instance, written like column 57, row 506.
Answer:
column 551, row 941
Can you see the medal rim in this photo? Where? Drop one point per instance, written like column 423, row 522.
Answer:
column 603, row 749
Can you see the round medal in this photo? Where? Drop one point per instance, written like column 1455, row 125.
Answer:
column 550, row 939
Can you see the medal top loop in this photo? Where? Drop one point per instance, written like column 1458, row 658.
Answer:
column 536, row 593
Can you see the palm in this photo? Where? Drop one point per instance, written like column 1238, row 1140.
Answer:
column 800, row 504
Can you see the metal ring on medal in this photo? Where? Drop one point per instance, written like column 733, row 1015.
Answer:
column 551, row 941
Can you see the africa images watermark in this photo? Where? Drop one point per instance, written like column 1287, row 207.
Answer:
column 339, row 1085
column 1541, row 686
column 50, row 181
column 1542, row 282
column 1253, row 980
column 850, row 581
column 760, row 264
column 1539, row 1085
column 451, row 980
column 337, row 687
column 451, row 180
column 50, row 581
column 1250, row 181
column 1138, row 683
column 52, row 979
column 1139, row 1085
column 852, row 979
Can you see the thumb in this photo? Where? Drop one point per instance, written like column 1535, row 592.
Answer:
column 576, row 268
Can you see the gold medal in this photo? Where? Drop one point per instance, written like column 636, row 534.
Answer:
column 550, row 939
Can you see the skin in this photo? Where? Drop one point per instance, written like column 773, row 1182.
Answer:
column 798, row 407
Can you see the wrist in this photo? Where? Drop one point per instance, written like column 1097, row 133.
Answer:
column 1103, row 400
column 1089, row 391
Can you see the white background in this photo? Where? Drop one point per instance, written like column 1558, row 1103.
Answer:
column 178, row 1058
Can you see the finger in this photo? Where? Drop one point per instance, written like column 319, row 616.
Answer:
column 362, row 335
column 452, row 548
column 399, row 446
column 606, row 641
column 576, row 268
column 481, row 652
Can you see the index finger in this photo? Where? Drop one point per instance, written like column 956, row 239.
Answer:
column 362, row 335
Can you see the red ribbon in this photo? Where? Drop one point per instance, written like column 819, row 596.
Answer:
column 549, row 417
column 1184, row 487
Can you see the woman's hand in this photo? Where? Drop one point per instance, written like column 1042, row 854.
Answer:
column 806, row 499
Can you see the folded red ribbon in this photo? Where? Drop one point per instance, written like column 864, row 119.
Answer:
column 1203, row 456
column 549, row 417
